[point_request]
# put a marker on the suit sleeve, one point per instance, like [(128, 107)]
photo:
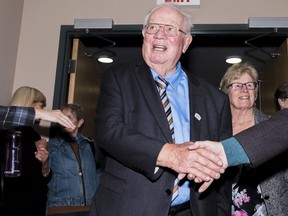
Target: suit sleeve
[(267, 139)]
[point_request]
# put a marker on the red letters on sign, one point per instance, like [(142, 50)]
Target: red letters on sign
[(177, 1)]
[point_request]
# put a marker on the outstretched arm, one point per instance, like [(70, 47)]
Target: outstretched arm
[(204, 148), (54, 116), (183, 160), (13, 116), (230, 151), (244, 147)]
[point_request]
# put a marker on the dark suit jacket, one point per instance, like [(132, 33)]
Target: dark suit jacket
[(132, 128), (266, 139)]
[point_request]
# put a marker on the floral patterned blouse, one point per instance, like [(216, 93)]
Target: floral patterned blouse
[(246, 196), (246, 192)]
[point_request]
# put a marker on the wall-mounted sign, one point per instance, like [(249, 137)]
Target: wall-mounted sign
[(179, 2)]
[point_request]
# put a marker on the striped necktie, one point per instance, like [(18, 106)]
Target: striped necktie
[(162, 85)]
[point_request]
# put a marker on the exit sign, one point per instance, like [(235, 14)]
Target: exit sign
[(179, 2)]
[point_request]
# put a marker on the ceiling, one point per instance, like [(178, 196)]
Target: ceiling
[(206, 55)]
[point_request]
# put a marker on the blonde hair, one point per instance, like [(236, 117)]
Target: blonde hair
[(235, 72), (26, 96)]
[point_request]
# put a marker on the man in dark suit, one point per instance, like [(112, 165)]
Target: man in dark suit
[(144, 152)]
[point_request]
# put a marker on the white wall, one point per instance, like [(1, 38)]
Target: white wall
[(41, 21), (10, 22)]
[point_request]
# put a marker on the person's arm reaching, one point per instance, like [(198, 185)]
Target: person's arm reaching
[(267, 139), (234, 152), (230, 151), (54, 116), (252, 145), (16, 116), (13, 116), (179, 158)]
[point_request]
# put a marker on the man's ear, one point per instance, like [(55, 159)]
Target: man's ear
[(188, 39), (281, 103), (80, 123)]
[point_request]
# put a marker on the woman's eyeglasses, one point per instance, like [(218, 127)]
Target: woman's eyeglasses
[(237, 86)]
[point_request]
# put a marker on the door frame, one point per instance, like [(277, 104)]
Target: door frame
[(67, 33)]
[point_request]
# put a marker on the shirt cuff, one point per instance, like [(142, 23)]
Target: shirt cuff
[(234, 152)]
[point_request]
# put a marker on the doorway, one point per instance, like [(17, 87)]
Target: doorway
[(205, 56)]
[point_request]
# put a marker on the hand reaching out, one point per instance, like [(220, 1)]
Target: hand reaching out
[(205, 148), (54, 116), (183, 158)]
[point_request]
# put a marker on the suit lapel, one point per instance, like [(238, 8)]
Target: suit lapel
[(149, 90), (196, 108)]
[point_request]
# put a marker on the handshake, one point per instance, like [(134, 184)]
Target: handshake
[(201, 161), (211, 166)]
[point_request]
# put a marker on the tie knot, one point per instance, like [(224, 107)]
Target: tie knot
[(161, 82)]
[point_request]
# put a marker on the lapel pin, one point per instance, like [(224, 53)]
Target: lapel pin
[(197, 116)]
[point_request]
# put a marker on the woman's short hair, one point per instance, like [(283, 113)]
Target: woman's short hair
[(235, 72), (26, 96)]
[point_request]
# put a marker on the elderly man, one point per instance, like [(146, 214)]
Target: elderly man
[(148, 112)]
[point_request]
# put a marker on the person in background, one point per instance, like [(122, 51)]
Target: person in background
[(251, 192), (31, 183), (281, 96), (145, 148), (13, 116), (72, 167)]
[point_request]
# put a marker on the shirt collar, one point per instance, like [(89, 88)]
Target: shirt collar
[(174, 78), (79, 138)]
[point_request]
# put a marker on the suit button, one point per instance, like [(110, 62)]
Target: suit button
[(266, 197), (168, 192)]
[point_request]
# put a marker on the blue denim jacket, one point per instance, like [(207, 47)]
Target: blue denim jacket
[(67, 186)]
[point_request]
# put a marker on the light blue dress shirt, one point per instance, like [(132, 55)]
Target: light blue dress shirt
[(178, 94)]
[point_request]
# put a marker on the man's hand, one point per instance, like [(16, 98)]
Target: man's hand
[(205, 148), (54, 116), (196, 162)]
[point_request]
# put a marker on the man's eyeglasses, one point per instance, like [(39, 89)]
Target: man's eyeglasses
[(238, 86), (169, 30)]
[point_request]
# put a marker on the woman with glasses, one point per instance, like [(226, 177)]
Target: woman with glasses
[(254, 191)]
